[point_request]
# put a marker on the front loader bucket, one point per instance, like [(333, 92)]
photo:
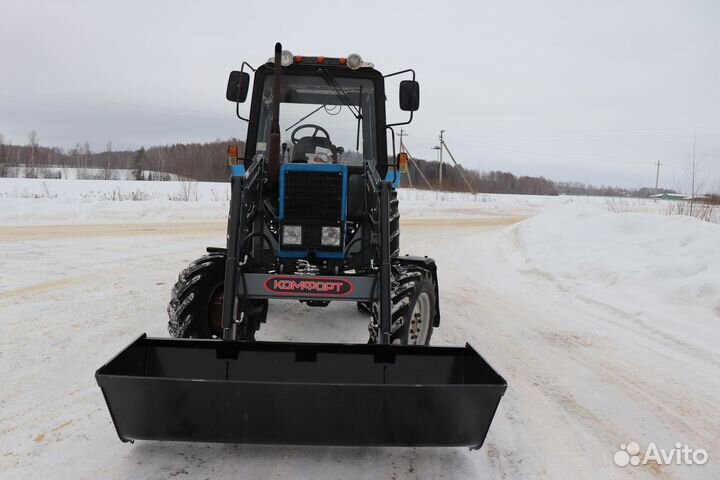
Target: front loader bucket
[(300, 394)]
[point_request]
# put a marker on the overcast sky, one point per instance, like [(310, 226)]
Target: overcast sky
[(589, 91)]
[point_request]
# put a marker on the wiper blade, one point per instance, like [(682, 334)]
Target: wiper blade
[(306, 116), (341, 94)]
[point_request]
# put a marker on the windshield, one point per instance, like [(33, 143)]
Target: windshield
[(323, 119)]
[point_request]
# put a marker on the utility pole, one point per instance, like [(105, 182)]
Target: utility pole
[(443, 145), (401, 135), (441, 159), (657, 176), (692, 178), (439, 148)]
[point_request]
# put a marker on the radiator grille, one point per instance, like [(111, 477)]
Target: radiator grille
[(313, 196)]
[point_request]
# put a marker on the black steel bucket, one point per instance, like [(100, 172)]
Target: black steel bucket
[(300, 393)]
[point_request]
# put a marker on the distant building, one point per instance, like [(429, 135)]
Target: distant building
[(670, 196)]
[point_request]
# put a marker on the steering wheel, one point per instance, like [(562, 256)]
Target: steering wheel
[(317, 128)]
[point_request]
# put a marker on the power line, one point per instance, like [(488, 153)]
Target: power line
[(412, 160)]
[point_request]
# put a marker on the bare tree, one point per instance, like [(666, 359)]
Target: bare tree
[(108, 159), (162, 156), (75, 154), (83, 161), (33, 142), (86, 154), (188, 191), (138, 162), (3, 164), (698, 177), (8, 158)]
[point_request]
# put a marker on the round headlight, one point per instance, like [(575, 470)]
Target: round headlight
[(286, 59), (354, 61)]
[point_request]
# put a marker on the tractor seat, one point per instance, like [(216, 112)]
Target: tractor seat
[(308, 145), (304, 146)]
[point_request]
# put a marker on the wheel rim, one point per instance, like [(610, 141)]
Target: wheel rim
[(419, 320)]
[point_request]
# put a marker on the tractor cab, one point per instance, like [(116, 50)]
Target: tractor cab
[(321, 122), (333, 136), (331, 110)]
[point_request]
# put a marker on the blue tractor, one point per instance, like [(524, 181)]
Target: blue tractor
[(313, 218)]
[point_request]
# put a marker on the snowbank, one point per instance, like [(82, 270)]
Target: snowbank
[(43, 202), (425, 203), (660, 272), (113, 190), (73, 173)]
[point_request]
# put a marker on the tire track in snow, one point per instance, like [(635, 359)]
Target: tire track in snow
[(42, 288), (57, 232)]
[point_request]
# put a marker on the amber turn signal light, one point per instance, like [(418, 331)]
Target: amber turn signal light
[(403, 160), (232, 154)]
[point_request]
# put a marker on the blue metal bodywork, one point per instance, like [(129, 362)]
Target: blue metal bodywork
[(312, 167), (393, 175), (237, 170)]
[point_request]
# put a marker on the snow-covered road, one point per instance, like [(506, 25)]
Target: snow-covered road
[(586, 372)]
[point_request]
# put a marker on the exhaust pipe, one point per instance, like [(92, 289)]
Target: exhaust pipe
[(273, 165)]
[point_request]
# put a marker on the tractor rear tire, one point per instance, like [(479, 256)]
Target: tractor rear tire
[(413, 306), (195, 309)]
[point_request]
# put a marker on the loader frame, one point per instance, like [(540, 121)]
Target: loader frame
[(250, 238)]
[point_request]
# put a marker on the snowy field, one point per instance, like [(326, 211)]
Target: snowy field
[(73, 173), (41, 201), (605, 325)]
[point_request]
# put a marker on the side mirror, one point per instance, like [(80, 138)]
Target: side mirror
[(238, 86), (409, 95)]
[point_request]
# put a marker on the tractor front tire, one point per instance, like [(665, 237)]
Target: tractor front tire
[(413, 306), (195, 309)]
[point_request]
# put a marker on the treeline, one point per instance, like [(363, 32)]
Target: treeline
[(198, 161), (506, 182), (479, 182), (205, 162), (208, 162)]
